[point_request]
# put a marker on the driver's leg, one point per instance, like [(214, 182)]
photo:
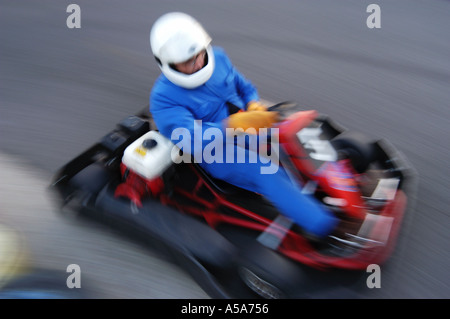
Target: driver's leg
[(286, 196)]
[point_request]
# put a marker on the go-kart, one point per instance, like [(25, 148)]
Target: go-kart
[(234, 242)]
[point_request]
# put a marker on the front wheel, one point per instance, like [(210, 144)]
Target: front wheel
[(357, 147)]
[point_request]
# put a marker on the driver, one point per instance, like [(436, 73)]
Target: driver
[(198, 82)]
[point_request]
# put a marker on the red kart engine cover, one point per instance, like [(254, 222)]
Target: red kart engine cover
[(143, 164), (135, 187)]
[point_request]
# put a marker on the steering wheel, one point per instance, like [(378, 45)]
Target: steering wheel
[(285, 108)]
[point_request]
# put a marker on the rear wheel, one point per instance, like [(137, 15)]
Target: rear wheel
[(267, 274), (83, 188), (92, 178)]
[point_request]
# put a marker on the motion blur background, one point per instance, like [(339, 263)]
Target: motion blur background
[(62, 89)]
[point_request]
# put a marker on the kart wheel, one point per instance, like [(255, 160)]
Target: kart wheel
[(83, 188), (268, 274), (92, 178), (357, 147)]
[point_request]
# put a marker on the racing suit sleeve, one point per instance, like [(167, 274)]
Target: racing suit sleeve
[(179, 125), (247, 91), (245, 88)]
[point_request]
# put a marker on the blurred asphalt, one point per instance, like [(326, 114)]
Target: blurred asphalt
[(61, 89)]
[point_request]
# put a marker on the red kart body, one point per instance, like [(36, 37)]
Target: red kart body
[(190, 190), (218, 231)]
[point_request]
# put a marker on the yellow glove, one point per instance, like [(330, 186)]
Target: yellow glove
[(254, 119), (256, 106)]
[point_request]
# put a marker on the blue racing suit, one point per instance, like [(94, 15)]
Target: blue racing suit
[(175, 107)]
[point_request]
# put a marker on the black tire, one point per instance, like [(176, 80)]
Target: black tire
[(92, 178), (83, 188), (357, 147), (268, 274), (160, 222)]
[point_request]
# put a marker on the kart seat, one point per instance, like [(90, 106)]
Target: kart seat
[(240, 196), (219, 184)]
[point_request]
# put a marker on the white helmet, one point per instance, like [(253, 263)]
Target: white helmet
[(177, 37)]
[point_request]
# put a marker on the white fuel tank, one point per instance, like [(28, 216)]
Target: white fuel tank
[(150, 155)]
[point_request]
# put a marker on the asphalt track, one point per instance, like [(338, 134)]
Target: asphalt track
[(61, 89)]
